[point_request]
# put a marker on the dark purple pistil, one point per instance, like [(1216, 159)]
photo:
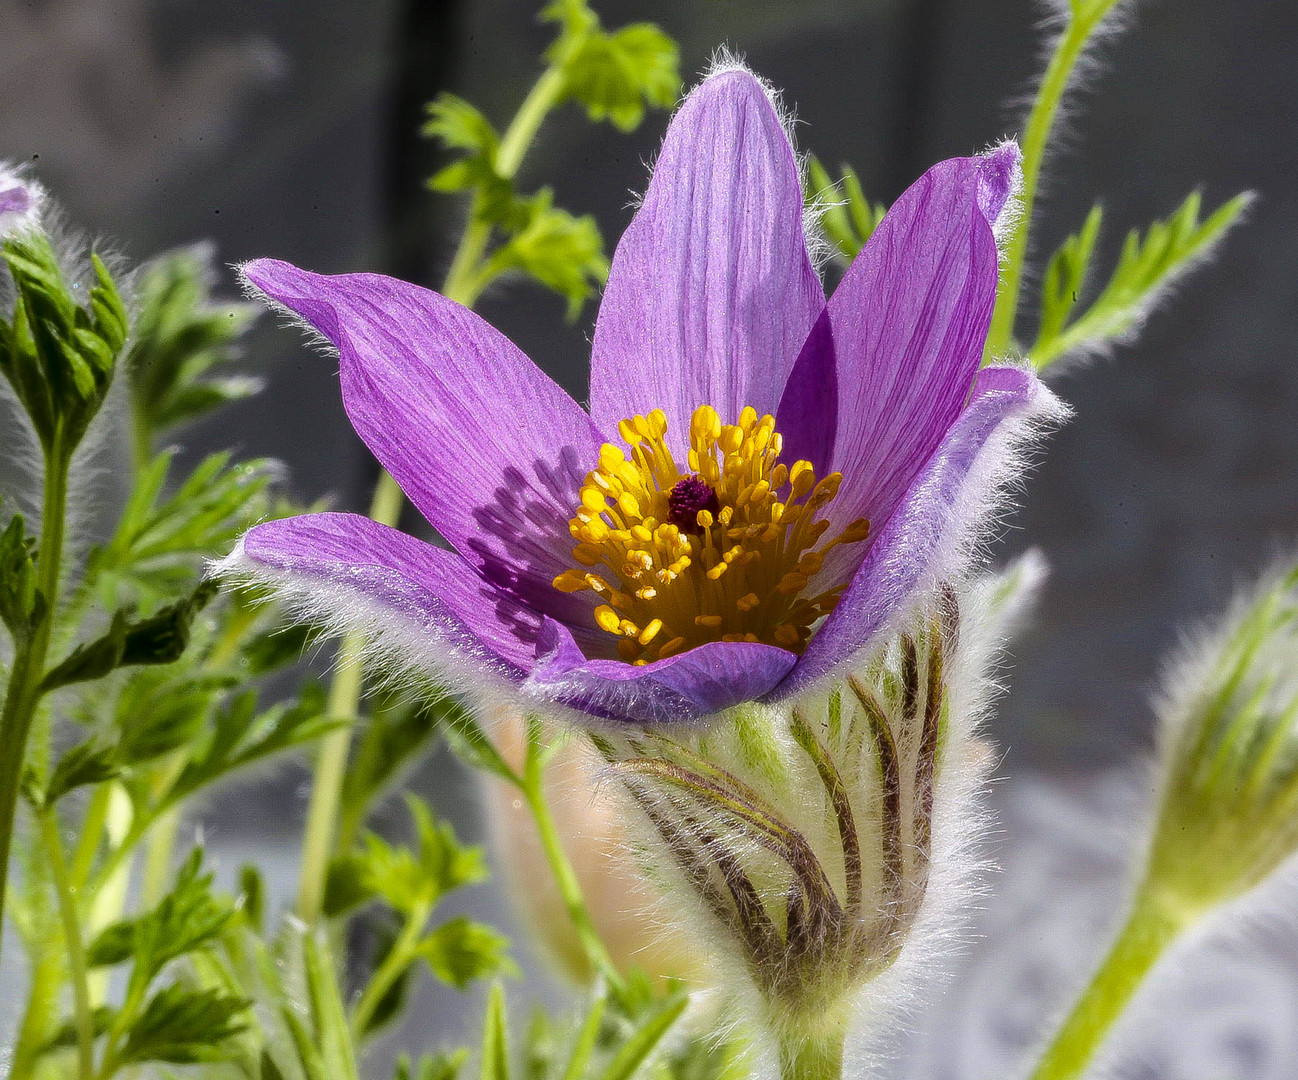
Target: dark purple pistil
[(687, 498)]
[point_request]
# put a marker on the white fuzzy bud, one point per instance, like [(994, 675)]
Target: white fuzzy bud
[(813, 845)]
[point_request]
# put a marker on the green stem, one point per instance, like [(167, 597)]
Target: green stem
[(72, 942), (463, 285), (463, 282), (23, 693), (532, 784), (1036, 138), (397, 960), (1150, 928), (814, 1055)]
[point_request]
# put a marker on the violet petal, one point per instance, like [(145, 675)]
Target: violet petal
[(929, 529), (682, 688), (352, 570), (906, 330), (487, 446), (711, 292)]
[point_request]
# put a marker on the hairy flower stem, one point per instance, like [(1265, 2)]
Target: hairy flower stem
[(463, 284), (1085, 17), (813, 1055), (23, 694), (1151, 927), (76, 952)]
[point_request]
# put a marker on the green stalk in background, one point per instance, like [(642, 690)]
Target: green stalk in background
[(1084, 18), (1149, 930), (72, 942)]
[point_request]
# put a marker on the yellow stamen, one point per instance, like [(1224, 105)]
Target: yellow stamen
[(722, 552)]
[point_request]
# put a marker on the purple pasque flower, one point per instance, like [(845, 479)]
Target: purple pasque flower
[(763, 479)]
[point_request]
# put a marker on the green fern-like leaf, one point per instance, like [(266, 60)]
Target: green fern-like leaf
[(1149, 264)]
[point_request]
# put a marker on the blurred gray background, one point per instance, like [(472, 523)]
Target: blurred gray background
[(288, 129)]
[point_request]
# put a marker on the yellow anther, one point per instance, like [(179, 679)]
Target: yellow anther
[(642, 534), (593, 499), (792, 582), (787, 636), (671, 648), (710, 622), (747, 418), (779, 476), (748, 601), (854, 533), (571, 581), (607, 619), (802, 477), (588, 554), (810, 563), (627, 504), (650, 632), (705, 424), (715, 573), (648, 592), (704, 519), (627, 429)]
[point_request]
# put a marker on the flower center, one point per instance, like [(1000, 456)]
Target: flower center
[(723, 552), (687, 498)]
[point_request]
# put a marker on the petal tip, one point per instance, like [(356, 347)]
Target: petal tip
[(1000, 176), (267, 277)]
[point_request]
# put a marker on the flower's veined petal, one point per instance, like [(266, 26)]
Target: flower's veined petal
[(711, 292), (681, 688), (485, 444), (807, 417), (934, 528), (905, 334), (424, 602)]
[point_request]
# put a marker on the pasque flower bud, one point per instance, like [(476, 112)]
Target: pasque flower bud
[(806, 844), (1229, 810), (1227, 816), (58, 355)]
